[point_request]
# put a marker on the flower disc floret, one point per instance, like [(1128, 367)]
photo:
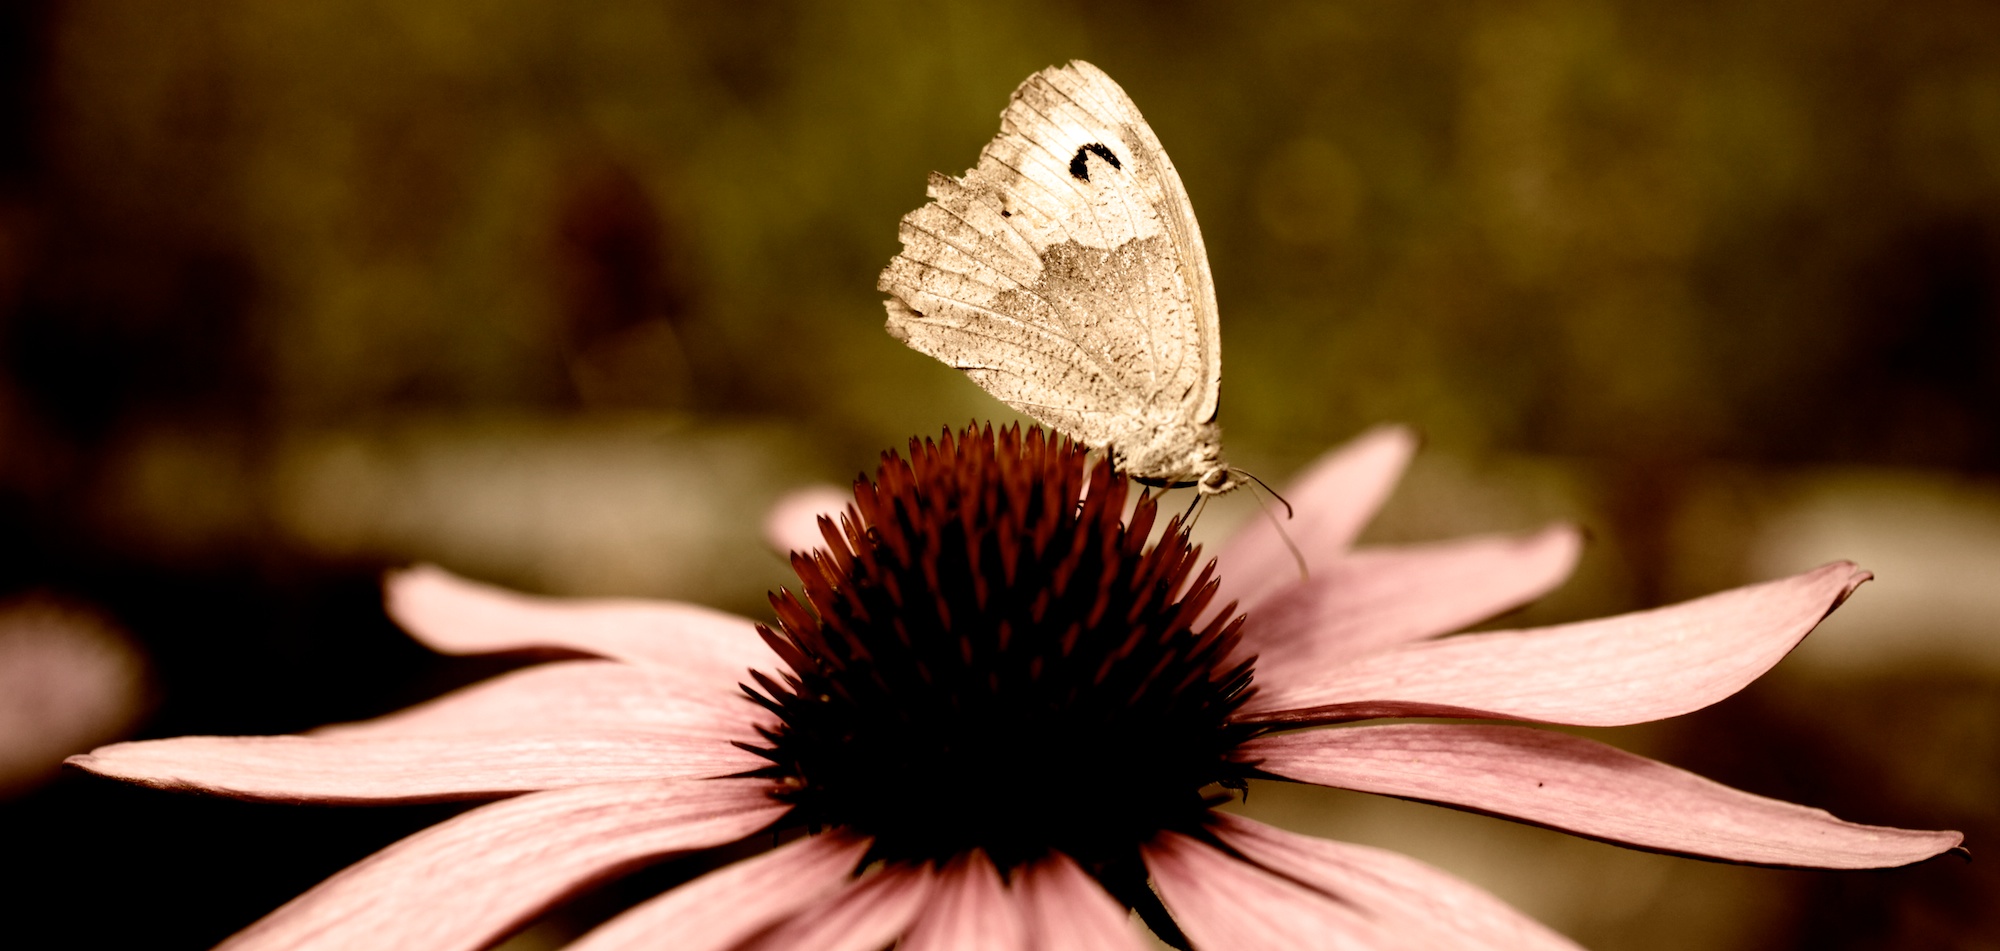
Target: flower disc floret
[(988, 654)]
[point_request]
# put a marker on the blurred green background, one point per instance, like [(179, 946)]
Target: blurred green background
[(563, 295)]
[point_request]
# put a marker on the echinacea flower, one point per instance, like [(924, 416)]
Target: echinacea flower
[(998, 716)]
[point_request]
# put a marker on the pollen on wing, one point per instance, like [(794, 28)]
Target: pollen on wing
[(986, 655)]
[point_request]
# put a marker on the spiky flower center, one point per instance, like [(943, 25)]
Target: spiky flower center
[(989, 656)]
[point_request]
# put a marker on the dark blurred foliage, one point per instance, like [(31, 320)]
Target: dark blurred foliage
[(292, 293)]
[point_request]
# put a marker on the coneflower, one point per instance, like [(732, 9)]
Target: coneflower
[(1000, 713)]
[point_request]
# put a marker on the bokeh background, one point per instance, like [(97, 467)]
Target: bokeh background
[(562, 295)]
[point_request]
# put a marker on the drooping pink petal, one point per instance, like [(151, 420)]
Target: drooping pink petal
[(456, 616), (1066, 910), (1626, 669), (793, 523), (1333, 499), (1583, 786), (717, 910), (461, 884), (1414, 899), (1376, 598), (392, 768), (1224, 903), (567, 695), (868, 914), (971, 910)]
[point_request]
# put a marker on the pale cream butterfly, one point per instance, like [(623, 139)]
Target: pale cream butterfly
[(1065, 275)]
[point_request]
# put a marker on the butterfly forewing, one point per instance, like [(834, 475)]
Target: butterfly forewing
[(1065, 275)]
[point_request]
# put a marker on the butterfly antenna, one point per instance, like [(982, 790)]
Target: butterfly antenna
[(1274, 492), (1297, 556)]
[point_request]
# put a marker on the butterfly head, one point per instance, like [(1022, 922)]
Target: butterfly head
[(1176, 455), (1215, 480), (1220, 479), (1203, 459)]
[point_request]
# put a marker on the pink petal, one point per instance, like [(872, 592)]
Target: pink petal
[(456, 616), (1626, 669), (1333, 498), (970, 911), (1066, 910), (1582, 786), (1381, 597), (793, 523), (867, 915), (391, 768), (1224, 903), (463, 883), (1414, 899), (715, 911), (568, 695)]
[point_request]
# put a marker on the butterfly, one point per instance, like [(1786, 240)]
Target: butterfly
[(1065, 275)]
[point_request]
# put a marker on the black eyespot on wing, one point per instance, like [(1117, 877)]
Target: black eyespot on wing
[(1079, 165), (1004, 213)]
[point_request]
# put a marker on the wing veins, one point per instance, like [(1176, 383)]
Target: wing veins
[(1069, 328), (1023, 177), (983, 197), (1121, 391), (969, 194), (1190, 258), (1145, 322), (1062, 165), (1153, 158), (1061, 171), (947, 242), (1088, 357)]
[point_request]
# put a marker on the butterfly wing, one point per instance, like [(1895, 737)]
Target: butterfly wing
[(1064, 273)]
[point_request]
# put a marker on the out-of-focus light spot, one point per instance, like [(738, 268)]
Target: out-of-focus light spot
[(1933, 543), (635, 508), (69, 680), (793, 523)]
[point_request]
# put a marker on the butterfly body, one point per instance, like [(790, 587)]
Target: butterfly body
[(1065, 275)]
